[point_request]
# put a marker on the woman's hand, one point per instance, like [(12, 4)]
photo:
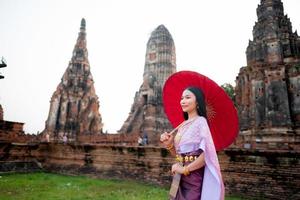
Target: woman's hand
[(177, 168), (167, 138)]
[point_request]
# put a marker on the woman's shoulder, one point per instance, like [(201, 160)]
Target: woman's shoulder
[(201, 119), (201, 122), (202, 125)]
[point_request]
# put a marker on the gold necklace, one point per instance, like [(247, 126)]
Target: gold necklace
[(181, 133)]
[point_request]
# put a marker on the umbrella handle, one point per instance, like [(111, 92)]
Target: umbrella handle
[(175, 129), (180, 125)]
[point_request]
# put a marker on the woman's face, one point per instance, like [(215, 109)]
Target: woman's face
[(188, 101)]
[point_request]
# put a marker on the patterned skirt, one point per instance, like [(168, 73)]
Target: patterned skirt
[(190, 187)]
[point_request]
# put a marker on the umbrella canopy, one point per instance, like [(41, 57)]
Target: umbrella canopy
[(221, 114)]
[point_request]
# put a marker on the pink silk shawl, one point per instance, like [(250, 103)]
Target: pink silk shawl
[(196, 135)]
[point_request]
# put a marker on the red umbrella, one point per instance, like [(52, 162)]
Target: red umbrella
[(221, 113)]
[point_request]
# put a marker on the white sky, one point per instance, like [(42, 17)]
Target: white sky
[(37, 39)]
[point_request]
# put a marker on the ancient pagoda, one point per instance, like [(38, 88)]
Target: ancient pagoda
[(267, 89), (147, 115), (74, 106)]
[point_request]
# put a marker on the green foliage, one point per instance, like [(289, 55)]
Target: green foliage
[(36, 186), (229, 89)]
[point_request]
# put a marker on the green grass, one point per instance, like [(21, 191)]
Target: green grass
[(36, 186)]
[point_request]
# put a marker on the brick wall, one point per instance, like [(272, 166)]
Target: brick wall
[(247, 173), (261, 174), (13, 132), (149, 164)]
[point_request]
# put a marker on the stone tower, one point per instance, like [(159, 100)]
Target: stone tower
[(147, 114), (273, 39), (74, 106), (267, 89)]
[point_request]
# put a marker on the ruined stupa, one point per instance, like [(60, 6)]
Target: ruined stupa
[(147, 115), (74, 106), (267, 89)]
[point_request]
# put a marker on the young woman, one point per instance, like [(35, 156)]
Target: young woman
[(197, 161)]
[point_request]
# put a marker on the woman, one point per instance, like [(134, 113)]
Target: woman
[(193, 146)]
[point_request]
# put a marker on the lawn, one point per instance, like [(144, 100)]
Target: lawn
[(36, 186)]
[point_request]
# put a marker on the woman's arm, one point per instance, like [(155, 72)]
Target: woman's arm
[(168, 141), (171, 149)]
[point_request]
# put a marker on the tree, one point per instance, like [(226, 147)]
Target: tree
[(229, 89)]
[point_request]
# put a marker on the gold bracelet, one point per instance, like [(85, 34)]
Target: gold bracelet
[(170, 147), (186, 172)]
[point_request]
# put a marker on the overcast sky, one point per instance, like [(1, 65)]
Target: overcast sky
[(37, 39)]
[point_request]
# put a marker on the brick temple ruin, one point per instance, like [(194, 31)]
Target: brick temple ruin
[(267, 89), (74, 106), (265, 157), (263, 163), (147, 114)]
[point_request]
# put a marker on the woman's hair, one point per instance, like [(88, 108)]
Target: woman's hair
[(200, 101)]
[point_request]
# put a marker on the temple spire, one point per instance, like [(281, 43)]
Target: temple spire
[(147, 115), (273, 39), (80, 50), (74, 106), (82, 26), (267, 90)]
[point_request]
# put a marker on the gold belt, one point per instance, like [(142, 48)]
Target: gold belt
[(182, 159)]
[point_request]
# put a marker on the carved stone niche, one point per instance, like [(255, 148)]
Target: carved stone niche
[(277, 102), (294, 94), (259, 102)]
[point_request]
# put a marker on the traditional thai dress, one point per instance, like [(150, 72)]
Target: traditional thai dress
[(194, 138)]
